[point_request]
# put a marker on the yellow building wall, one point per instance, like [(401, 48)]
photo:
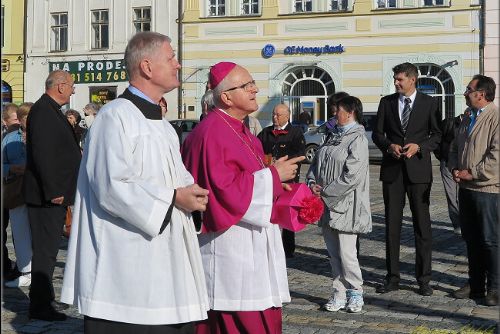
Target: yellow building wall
[(13, 47), (372, 38)]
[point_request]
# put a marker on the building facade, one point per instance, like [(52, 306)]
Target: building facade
[(491, 45), (88, 38), (12, 51), (301, 51)]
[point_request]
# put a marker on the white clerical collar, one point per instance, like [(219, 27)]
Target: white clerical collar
[(281, 127)]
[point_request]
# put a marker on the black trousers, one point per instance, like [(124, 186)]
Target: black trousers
[(479, 224), (288, 238), (394, 201), (100, 326), (46, 229)]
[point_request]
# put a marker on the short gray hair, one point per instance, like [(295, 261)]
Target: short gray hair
[(223, 86), (140, 46), (94, 107), (56, 77)]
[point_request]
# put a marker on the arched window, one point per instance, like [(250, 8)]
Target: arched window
[(6, 92), (306, 88), (435, 81)]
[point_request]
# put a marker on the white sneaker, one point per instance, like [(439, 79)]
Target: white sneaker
[(23, 280), (335, 303), (354, 301)]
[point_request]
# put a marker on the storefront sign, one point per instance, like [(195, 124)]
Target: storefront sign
[(317, 50), (100, 71), (102, 94), (269, 50)]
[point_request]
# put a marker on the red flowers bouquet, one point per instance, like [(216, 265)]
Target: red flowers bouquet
[(296, 208)]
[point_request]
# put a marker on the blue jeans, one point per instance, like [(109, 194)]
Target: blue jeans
[(479, 222)]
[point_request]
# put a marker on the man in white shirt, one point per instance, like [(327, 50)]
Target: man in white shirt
[(134, 262)]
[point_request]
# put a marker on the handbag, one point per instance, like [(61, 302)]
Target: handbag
[(67, 223), (12, 192)]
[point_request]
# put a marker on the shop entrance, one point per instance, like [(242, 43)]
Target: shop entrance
[(305, 90)]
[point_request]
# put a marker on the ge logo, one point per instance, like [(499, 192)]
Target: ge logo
[(268, 51)]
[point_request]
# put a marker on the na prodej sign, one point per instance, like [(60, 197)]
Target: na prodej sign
[(93, 71)]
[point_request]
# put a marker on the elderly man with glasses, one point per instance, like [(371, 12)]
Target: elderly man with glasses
[(473, 161), (52, 162), (241, 249), (279, 140)]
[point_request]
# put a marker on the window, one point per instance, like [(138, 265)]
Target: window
[(338, 5), (386, 3), (142, 19), (249, 7), (436, 81), (100, 29), (433, 2), (59, 32), (303, 6), (217, 8)]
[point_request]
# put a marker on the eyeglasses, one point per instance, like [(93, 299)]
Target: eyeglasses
[(469, 90), (278, 115), (246, 87), (65, 83)]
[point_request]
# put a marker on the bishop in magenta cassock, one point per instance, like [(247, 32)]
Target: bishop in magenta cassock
[(242, 251)]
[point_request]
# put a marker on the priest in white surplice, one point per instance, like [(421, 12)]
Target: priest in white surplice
[(134, 263), (242, 251)]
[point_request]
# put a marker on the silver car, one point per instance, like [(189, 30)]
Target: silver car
[(314, 138)]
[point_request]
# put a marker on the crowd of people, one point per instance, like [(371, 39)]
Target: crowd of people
[(198, 220)]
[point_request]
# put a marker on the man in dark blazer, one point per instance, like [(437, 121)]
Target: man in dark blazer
[(407, 131), (52, 162), (278, 140)]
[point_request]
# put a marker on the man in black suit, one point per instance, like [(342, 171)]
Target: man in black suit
[(52, 162), (278, 140), (407, 131)]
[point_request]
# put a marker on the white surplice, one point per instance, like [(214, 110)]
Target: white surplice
[(119, 267), (245, 265)]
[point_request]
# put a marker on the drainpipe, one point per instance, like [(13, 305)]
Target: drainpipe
[(482, 34), (179, 57)]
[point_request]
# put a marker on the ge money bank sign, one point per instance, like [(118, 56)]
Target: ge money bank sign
[(100, 71)]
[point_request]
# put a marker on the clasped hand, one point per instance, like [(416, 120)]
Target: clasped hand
[(407, 151), (191, 198)]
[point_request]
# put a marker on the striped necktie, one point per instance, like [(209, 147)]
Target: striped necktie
[(405, 115)]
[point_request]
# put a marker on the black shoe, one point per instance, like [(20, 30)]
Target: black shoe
[(47, 315), (425, 289), (387, 287), (465, 293), (59, 306), (491, 298)]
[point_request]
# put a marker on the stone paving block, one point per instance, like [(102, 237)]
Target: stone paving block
[(429, 318)]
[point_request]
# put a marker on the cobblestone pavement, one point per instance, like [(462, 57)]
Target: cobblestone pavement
[(400, 311)]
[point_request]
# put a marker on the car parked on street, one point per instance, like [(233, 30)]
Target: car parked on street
[(186, 125), (314, 138)]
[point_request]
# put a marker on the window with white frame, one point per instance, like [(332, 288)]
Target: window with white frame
[(338, 5), (59, 32), (217, 8), (249, 7), (142, 19), (386, 3), (430, 3), (100, 29), (303, 6)]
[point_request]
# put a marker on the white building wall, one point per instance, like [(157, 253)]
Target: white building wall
[(38, 54), (491, 48)]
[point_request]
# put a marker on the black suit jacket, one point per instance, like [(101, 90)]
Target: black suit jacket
[(423, 129), (291, 144), (52, 155)]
